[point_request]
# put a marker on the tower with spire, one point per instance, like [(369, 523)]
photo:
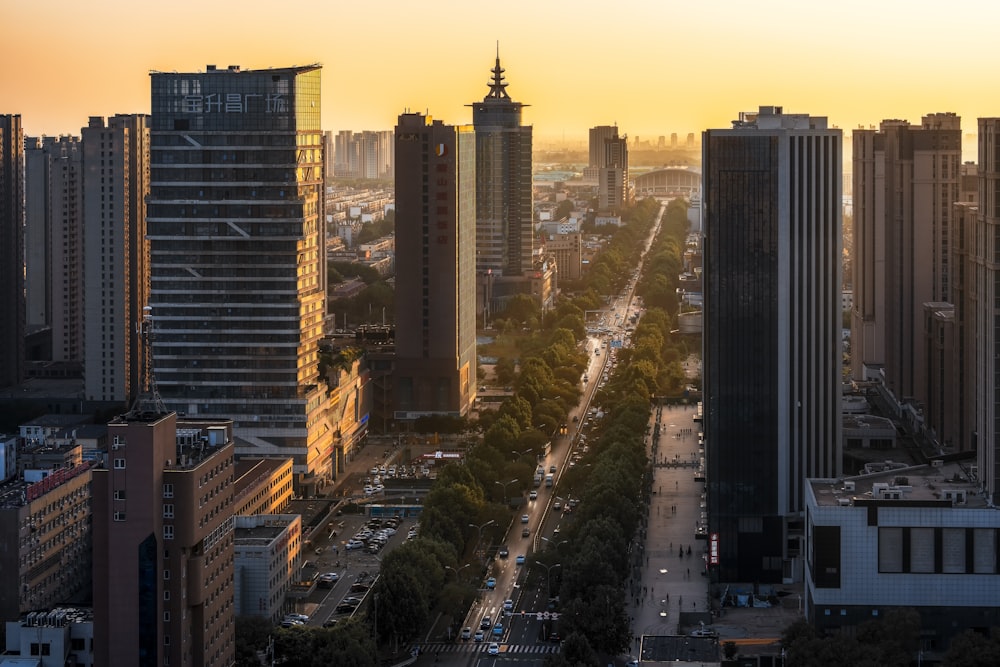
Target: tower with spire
[(504, 229)]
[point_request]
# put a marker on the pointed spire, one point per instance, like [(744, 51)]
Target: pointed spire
[(497, 86)]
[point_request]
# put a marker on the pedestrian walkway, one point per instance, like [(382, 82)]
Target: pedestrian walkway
[(669, 576)]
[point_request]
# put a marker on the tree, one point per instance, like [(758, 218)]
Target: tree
[(972, 649), (505, 370)]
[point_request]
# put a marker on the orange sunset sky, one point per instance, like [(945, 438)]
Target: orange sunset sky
[(652, 66)]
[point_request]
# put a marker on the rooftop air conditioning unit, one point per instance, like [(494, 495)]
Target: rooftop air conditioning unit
[(937, 463), (849, 485)]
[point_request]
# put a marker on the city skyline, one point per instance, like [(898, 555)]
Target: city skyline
[(838, 64)]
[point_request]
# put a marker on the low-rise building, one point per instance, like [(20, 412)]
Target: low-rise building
[(56, 638), (920, 537), (268, 557), (262, 486)]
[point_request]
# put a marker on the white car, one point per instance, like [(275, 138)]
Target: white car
[(508, 605), (493, 649)]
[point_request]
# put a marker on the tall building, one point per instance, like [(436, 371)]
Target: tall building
[(984, 311), (367, 154), (53, 233), (116, 255), (598, 136), (905, 180), (504, 212), (772, 320), (164, 543), (12, 247), (435, 267), (237, 256), (609, 155)]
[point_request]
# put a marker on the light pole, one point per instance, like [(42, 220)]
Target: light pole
[(479, 531), (457, 570), (505, 485), (548, 572), (518, 454)]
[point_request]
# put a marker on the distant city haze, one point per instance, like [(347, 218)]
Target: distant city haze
[(651, 67)]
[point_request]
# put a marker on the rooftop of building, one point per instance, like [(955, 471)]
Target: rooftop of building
[(863, 421), (17, 493), (945, 481), (57, 617), (258, 535), (775, 118), (54, 420), (248, 471), (237, 69)]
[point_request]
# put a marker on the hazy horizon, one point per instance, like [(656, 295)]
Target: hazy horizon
[(649, 67)]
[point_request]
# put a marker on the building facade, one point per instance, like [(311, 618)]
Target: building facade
[(53, 638), (920, 538), (435, 370), (46, 527), (53, 233), (984, 287), (238, 257), (905, 180), (163, 543), (116, 255), (262, 486), (268, 556), (504, 211), (12, 246), (772, 353)]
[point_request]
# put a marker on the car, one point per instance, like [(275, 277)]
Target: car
[(576, 418), (344, 608), (503, 552), (291, 623), (525, 532), (480, 635), (558, 506), (329, 623), (491, 583), (486, 623), (328, 579), (524, 518), (493, 649), (296, 617), (389, 530), (508, 605), (466, 634), (519, 560), (552, 469), (498, 629), (533, 495), (554, 637), (358, 587)]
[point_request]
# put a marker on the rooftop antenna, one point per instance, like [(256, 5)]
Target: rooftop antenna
[(148, 399)]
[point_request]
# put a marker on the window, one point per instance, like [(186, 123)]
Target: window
[(168, 490), (166, 575), (168, 511), (119, 494), (166, 616), (119, 464), (166, 596), (168, 532), (119, 516)]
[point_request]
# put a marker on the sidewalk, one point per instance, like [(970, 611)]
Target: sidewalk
[(669, 582)]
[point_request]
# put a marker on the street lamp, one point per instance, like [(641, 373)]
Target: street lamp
[(457, 570), (548, 572), (555, 545), (518, 454), (479, 530), (505, 485)]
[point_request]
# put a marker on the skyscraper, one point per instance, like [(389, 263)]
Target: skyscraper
[(237, 256), (504, 222), (12, 247), (984, 310), (772, 194), (53, 233), (609, 158), (435, 267), (116, 254), (905, 180)]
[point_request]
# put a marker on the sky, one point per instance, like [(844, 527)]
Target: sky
[(653, 67)]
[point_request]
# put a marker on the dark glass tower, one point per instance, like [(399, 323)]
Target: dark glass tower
[(504, 229), (772, 188), (235, 223), (12, 247)]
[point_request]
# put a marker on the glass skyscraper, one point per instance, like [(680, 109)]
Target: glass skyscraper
[(237, 256)]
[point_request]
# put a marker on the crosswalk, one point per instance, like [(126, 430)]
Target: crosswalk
[(480, 647)]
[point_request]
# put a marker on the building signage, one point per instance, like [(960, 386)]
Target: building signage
[(713, 549), (235, 103)]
